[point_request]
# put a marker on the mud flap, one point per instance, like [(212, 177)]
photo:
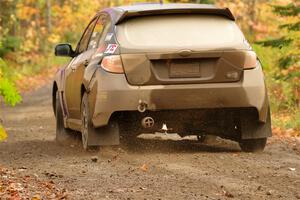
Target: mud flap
[(105, 136), (251, 128)]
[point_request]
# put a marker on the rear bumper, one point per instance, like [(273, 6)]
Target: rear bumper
[(111, 93)]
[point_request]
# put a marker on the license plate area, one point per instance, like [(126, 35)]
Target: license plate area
[(184, 69)]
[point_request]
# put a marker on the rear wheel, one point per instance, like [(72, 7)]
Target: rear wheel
[(63, 134), (253, 145), (87, 126), (258, 131)]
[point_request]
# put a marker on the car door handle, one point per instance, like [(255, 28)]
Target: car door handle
[(86, 63)]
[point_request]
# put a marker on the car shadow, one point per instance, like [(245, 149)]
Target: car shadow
[(141, 145)]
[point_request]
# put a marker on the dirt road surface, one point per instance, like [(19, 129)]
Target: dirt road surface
[(160, 168)]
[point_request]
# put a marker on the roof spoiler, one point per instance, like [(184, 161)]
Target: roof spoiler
[(211, 11)]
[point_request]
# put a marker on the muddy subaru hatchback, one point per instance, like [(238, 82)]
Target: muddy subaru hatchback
[(178, 68)]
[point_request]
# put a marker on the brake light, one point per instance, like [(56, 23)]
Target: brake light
[(112, 64), (250, 60)]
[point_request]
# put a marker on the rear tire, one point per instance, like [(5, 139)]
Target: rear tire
[(63, 135), (257, 133), (253, 145), (87, 126)]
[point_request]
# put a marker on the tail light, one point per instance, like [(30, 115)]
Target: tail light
[(250, 60), (112, 64)]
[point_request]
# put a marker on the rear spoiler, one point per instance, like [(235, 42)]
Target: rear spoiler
[(211, 11)]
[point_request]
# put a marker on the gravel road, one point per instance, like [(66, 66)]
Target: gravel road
[(159, 167)]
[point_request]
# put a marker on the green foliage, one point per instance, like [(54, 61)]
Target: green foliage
[(7, 88), (289, 10), (291, 26), (279, 43), (295, 122), (9, 92), (205, 1), (8, 44), (266, 55), (287, 60), (290, 35), (71, 37)]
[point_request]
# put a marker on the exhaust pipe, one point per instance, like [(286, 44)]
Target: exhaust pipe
[(147, 122)]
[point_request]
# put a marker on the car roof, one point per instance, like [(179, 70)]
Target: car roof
[(119, 14)]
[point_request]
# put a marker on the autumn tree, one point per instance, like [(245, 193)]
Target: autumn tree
[(289, 44)]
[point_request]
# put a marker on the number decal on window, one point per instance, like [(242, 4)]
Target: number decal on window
[(111, 48)]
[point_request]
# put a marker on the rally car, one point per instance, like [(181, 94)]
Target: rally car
[(180, 68)]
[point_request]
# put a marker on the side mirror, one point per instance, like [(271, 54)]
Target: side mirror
[(64, 50)]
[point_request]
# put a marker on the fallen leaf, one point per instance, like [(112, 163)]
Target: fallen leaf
[(36, 197), (3, 134), (144, 167)]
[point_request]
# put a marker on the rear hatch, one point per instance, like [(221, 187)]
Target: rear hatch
[(181, 49)]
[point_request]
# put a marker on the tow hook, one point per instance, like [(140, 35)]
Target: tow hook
[(142, 107), (147, 122)]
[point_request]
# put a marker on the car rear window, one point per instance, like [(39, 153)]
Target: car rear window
[(179, 31)]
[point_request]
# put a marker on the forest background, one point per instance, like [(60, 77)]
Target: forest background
[(29, 29)]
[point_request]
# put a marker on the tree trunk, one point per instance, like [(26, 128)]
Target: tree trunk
[(49, 20), (252, 15), (37, 26)]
